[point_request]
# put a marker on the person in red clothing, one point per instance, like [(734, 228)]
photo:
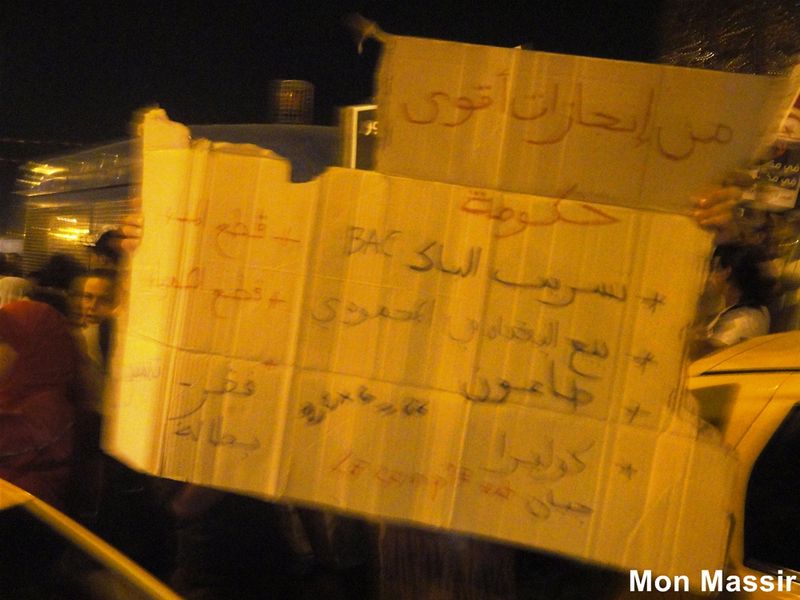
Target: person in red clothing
[(38, 364)]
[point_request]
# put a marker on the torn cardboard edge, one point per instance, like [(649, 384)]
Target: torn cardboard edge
[(153, 379), (605, 131)]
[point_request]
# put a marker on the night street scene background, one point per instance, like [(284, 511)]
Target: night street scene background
[(72, 75)]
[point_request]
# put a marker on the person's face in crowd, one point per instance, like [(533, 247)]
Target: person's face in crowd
[(96, 300), (718, 278)]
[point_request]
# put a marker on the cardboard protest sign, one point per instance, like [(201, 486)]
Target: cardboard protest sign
[(487, 362), (633, 134)]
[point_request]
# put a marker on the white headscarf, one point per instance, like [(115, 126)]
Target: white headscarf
[(13, 288)]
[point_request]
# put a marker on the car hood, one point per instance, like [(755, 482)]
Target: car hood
[(11, 495), (777, 352)]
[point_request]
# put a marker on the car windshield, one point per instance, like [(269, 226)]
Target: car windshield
[(772, 511)]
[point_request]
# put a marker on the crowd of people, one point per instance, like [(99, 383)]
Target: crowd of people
[(751, 289), (54, 360), (57, 327)]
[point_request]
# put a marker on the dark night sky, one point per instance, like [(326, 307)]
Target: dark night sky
[(72, 74), (76, 72)]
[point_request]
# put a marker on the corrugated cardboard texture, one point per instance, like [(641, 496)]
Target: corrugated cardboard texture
[(623, 133), (491, 363)]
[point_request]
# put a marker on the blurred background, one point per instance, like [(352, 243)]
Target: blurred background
[(73, 73)]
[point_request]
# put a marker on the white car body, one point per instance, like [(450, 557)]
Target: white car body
[(751, 393)]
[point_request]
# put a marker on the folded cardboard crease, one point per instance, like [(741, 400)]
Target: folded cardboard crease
[(496, 363)]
